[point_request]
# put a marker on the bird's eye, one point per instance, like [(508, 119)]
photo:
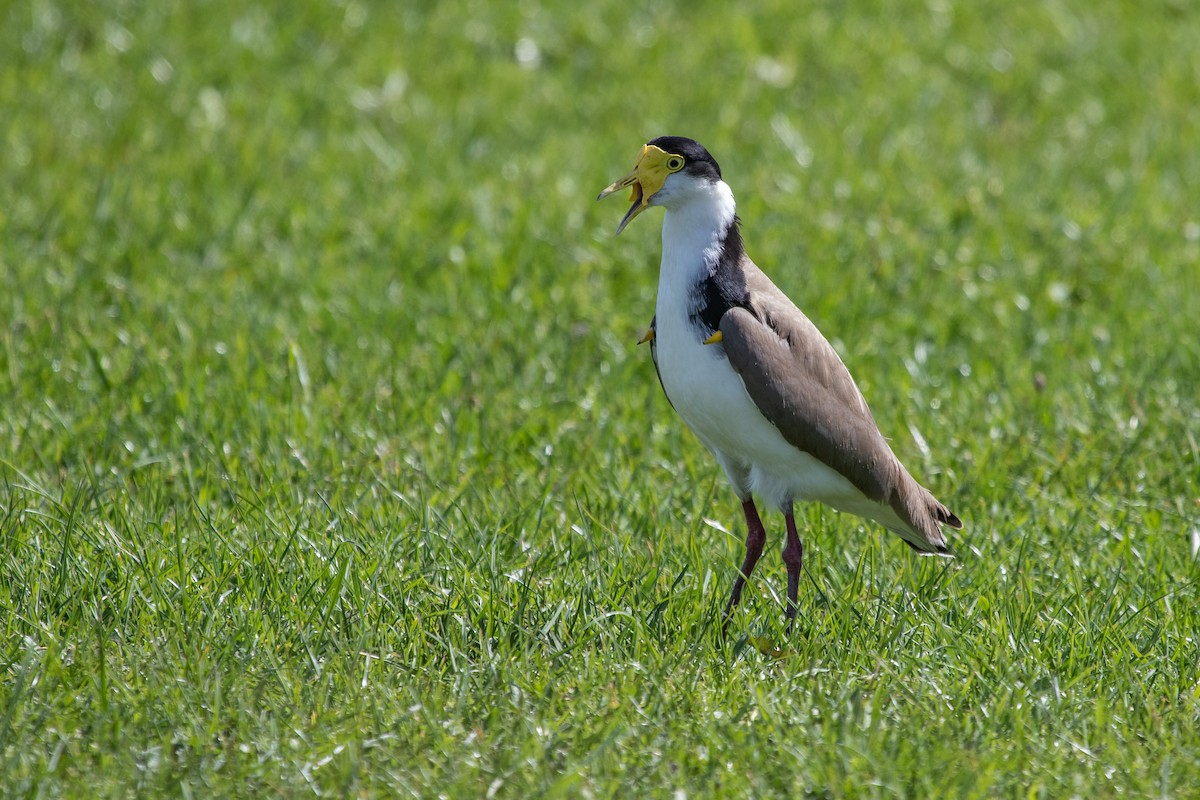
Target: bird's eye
[(674, 163)]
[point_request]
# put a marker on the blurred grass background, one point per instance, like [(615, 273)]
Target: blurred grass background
[(328, 463)]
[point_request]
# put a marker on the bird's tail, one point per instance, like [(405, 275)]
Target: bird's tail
[(927, 519)]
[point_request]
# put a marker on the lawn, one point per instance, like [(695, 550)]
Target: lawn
[(330, 466)]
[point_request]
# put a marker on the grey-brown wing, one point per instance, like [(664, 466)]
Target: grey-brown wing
[(799, 383), (797, 380)]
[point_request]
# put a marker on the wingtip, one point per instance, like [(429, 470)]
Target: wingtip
[(946, 517)]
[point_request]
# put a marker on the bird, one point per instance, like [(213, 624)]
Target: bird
[(755, 380)]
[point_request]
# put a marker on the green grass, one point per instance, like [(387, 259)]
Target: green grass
[(329, 465)]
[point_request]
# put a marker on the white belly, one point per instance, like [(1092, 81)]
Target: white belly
[(714, 403), (710, 396)]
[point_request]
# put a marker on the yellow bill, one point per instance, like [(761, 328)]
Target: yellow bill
[(649, 174)]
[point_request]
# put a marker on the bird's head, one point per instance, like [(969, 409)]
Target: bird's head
[(668, 170)]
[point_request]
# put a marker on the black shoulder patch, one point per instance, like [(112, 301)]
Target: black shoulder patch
[(725, 286)]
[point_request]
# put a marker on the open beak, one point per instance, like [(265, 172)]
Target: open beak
[(648, 176), (640, 203)]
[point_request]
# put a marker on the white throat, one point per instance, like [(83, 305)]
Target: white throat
[(692, 233)]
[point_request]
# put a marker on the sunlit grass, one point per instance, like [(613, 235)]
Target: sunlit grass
[(329, 464)]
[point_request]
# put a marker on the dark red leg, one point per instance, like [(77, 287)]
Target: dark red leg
[(793, 556), (756, 538)]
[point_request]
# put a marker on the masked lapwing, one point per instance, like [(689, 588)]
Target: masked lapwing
[(754, 378)]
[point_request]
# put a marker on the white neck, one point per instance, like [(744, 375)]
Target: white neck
[(692, 233)]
